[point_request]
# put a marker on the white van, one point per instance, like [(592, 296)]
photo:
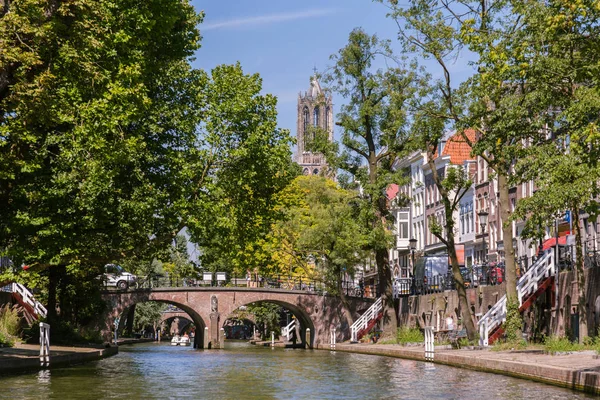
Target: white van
[(115, 276)]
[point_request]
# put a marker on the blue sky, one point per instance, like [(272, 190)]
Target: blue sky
[(284, 40)]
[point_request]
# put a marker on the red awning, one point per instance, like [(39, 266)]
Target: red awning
[(562, 241)]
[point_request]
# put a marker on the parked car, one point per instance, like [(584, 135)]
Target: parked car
[(115, 276)]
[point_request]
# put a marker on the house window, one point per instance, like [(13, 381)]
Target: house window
[(316, 116), (403, 224), (305, 119)]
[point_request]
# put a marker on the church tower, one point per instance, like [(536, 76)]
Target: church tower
[(315, 109)]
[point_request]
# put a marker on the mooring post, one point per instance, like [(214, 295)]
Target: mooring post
[(308, 341), (272, 338), (44, 344), (206, 337), (429, 343), (332, 339), (222, 338)]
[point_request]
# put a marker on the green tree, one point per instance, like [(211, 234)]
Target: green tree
[(248, 162), (147, 314), (495, 102), (561, 64), (373, 134), (320, 234), (266, 317)]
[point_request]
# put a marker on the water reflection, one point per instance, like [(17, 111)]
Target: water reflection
[(242, 372)]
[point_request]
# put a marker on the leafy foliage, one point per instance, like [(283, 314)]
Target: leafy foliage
[(147, 314), (9, 325), (409, 335), (267, 318), (319, 235)]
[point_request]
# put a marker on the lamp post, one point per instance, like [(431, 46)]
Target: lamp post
[(483, 217), (413, 247)]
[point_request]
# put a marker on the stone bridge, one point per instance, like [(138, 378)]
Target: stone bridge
[(210, 307), (174, 320)]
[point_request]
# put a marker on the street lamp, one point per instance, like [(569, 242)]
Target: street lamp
[(413, 247), (483, 217)]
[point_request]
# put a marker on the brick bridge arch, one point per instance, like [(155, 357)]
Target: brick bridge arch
[(316, 312), (168, 317)]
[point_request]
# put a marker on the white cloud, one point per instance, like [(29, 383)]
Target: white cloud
[(266, 19)]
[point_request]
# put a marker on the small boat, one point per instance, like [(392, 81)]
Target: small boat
[(180, 341)]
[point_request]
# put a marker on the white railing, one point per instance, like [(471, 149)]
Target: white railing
[(332, 338), (527, 285), (429, 343), (287, 331), (44, 345), (364, 320), (28, 299)]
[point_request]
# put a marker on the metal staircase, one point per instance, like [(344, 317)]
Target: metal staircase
[(530, 286), (25, 298), (287, 330), (366, 321)]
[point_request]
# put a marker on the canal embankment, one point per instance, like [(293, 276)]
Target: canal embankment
[(26, 357), (578, 371)]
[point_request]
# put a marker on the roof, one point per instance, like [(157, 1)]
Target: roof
[(391, 191), (315, 87), (458, 149)]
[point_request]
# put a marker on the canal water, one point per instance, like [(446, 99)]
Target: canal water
[(242, 371)]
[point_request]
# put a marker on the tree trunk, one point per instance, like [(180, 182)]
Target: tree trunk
[(384, 272), (463, 302), (345, 305), (130, 320), (53, 278), (579, 277), (510, 270)]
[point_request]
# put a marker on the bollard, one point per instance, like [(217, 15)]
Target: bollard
[(429, 343), (272, 338), (254, 333), (332, 339), (206, 337), (308, 342), (222, 338), (44, 344)]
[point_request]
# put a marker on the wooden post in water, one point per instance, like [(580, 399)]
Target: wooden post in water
[(308, 341)]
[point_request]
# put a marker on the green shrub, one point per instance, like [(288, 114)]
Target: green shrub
[(554, 344), (9, 325), (64, 333), (409, 335), (514, 322), (503, 345)]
